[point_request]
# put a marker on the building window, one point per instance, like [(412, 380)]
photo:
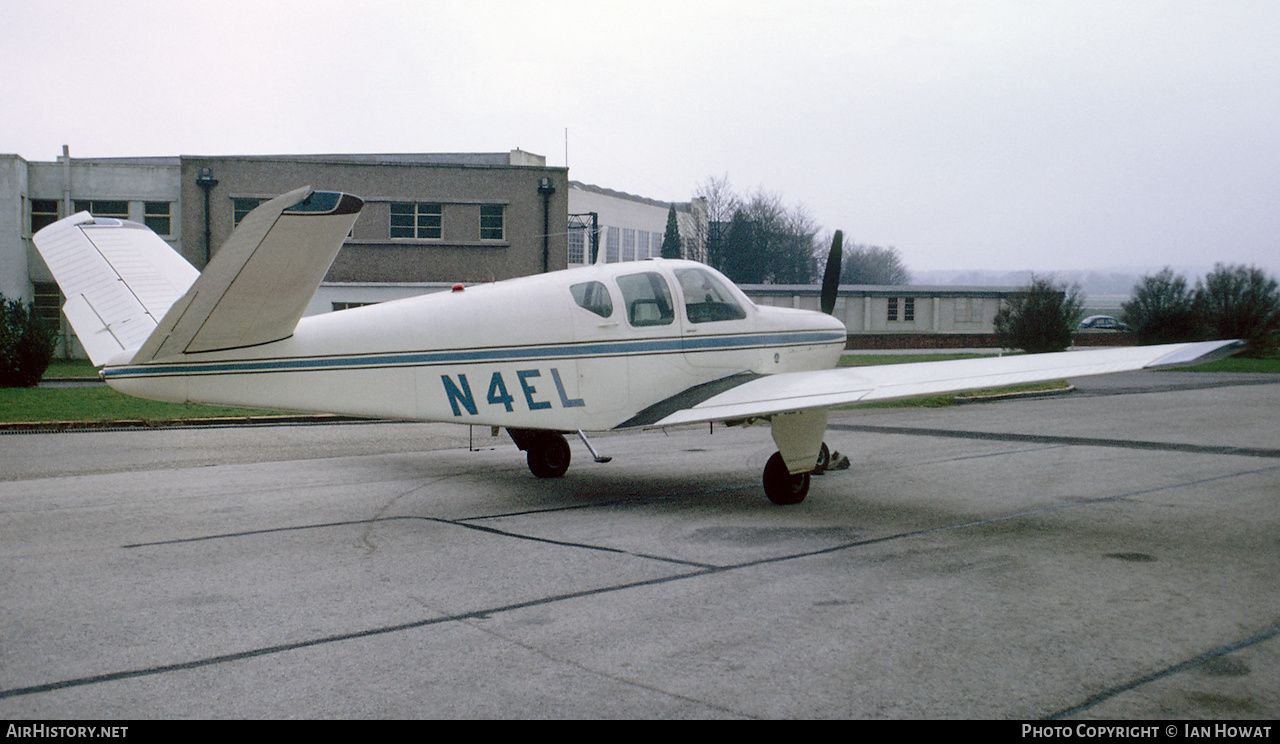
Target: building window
[(644, 245), (44, 212), (104, 208), (242, 207), (908, 305), (968, 310), (628, 244), (577, 245), (491, 222), (611, 240), (412, 220), (156, 217), (47, 304), (348, 305)]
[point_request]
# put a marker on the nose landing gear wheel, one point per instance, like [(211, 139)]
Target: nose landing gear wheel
[(824, 460), (781, 486)]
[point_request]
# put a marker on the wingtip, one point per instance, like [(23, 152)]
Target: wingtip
[(1198, 353)]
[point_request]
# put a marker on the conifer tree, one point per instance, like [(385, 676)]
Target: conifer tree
[(672, 245)]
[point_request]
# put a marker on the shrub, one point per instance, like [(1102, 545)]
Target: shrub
[(1162, 310), (26, 346), (1040, 318), (1240, 302)]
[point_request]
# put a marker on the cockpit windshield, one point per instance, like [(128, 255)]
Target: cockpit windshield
[(706, 299)]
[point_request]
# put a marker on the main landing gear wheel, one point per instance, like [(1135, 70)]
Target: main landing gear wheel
[(780, 485), (548, 455)]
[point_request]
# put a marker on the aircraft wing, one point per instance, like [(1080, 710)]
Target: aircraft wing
[(119, 279), (794, 391), (259, 283)]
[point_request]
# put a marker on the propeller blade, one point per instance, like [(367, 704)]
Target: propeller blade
[(831, 279)]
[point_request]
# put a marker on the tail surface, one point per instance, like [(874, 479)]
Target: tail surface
[(119, 279), (127, 289)]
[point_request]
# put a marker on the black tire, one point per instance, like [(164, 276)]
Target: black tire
[(548, 455), (781, 486), (824, 460)]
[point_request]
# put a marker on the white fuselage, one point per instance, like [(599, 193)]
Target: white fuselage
[(526, 353)]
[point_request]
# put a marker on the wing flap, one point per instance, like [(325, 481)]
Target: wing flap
[(794, 391)]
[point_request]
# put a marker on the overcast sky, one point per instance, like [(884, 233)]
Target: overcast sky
[(968, 135)]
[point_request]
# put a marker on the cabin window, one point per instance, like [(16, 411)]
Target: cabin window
[(705, 298), (491, 222), (412, 220), (593, 296), (647, 299)]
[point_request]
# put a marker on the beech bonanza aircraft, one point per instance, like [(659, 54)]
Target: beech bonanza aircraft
[(652, 343)]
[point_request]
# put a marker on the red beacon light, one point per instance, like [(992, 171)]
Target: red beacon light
[(458, 288)]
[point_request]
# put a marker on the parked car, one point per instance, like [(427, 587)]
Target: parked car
[(1102, 323)]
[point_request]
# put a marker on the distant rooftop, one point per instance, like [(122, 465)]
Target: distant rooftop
[(514, 157), (680, 206)]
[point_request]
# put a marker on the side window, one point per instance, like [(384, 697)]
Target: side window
[(593, 296), (706, 299), (647, 298)]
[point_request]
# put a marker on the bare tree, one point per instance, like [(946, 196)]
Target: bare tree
[(871, 264), (758, 239), (711, 232)]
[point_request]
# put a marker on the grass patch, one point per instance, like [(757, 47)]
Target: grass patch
[(101, 404), (1238, 364), (71, 368)]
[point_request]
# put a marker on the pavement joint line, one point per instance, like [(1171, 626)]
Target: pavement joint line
[(1169, 671), (1061, 440), (483, 614)]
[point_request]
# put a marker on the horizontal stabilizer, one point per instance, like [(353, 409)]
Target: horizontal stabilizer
[(258, 284), (794, 391), (119, 279)]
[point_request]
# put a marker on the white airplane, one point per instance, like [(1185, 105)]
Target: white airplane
[(652, 343)]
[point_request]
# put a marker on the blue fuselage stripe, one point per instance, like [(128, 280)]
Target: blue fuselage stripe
[(577, 350)]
